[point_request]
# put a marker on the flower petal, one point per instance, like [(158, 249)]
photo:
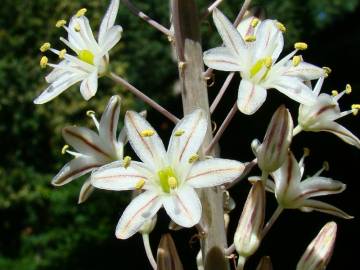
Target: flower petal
[(214, 172), (108, 20), (89, 85), (87, 142), (221, 58), (310, 205), (115, 177), (150, 149), (231, 37), (111, 38), (74, 169), (250, 97), (184, 206), (343, 133), (304, 71), (142, 208), (320, 186), (85, 191)]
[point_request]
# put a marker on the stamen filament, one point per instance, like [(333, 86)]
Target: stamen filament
[(92, 115)]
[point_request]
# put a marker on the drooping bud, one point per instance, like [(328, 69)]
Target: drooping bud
[(265, 264), (248, 232), (272, 152), (148, 226), (167, 256), (318, 254)]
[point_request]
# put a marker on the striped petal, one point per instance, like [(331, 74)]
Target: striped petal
[(305, 71), (183, 207), (74, 169), (343, 133), (150, 149), (108, 20), (221, 58), (250, 97), (214, 172), (311, 205), (89, 85), (320, 186), (85, 191), (142, 208)]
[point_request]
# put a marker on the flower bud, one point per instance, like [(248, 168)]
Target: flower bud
[(167, 256), (317, 255), (265, 264), (272, 152), (248, 233), (148, 226)]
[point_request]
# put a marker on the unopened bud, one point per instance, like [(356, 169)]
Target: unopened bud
[(167, 255), (318, 254), (265, 264)]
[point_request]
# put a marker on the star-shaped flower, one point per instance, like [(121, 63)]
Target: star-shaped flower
[(321, 115), (92, 57), (93, 150), (293, 193), (254, 56), (168, 178)]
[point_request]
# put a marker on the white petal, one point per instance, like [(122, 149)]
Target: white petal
[(115, 177), (320, 186), (142, 208), (112, 37), (181, 148), (231, 37), (109, 121), (89, 86), (108, 20), (85, 191), (305, 71), (58, 86), (74, 169), (183, 207), (244, 27), (343, 133), (56, 73), (214, 172), (221, 58), (295, 89), (250, 97), (85, 33), (151, 149), (87, 142), (310, 205)]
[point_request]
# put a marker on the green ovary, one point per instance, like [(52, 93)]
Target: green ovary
[(86, 56), (164, 176)]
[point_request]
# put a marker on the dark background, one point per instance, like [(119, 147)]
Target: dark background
[(42, 227)]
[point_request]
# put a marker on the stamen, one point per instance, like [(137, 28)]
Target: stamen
[(126, 161), (255, 22), (77, 27), (60, 23), (62, 53), (250, 38), (193, 158), (300, 46), (172, 182), (268, 62), (92, 115), (64, 149), (45, 47), (348, 89), (147, 133), (43, 62), (179, 132), (327, 70), (334, 93), (326, 166), (296, 60), (140, 184), (281, 27), (355, 108), (81, 12)]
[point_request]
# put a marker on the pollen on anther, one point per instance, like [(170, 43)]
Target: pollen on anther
[(281, 27), (126, 161), (327, 70), (64, 149), (193, 158), (62, 53), (255, 22), (43, 62), (147, 133), (268, 62), (334, 93), (355, 108), (140, 184), (250, 38), (81, 12), (179, 132), (172, 182), (296, 60), (60, 23), (348, 89), (90, 113), (326, 165), (45, 47), (300, 46)]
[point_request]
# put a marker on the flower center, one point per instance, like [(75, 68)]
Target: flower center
[(168, 179), (86, 56), (261, 68)]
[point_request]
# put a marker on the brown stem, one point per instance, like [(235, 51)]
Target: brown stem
[(210, 9)]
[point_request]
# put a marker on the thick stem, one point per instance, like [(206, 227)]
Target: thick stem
[(143, 97), (272, 220), (221, 92), (148, 250), (241, 263)]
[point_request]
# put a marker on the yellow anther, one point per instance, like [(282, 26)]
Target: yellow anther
[(193, 158), (306, 152), (296, 60), (326, 165), (77, 27), (268, 62), (179, 132), (62, 53), (81, 12), (140, 184), (60, 23), (43, 62), (355, 111), (300, 46), (334, 93), (45, 47), (64, 149), (147, 133), (348, 89), (255, 22), (250, 38), (281, 27), (172, 182), (126, 161), (327, 70), (355, 108), (90, 113)]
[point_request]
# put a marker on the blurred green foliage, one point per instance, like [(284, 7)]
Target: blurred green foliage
[(41, 227)]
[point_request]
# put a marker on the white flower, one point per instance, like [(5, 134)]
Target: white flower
[(321, 115), (168, 178), (92, 57), (93, 150), (292, 193), (254, 54)]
